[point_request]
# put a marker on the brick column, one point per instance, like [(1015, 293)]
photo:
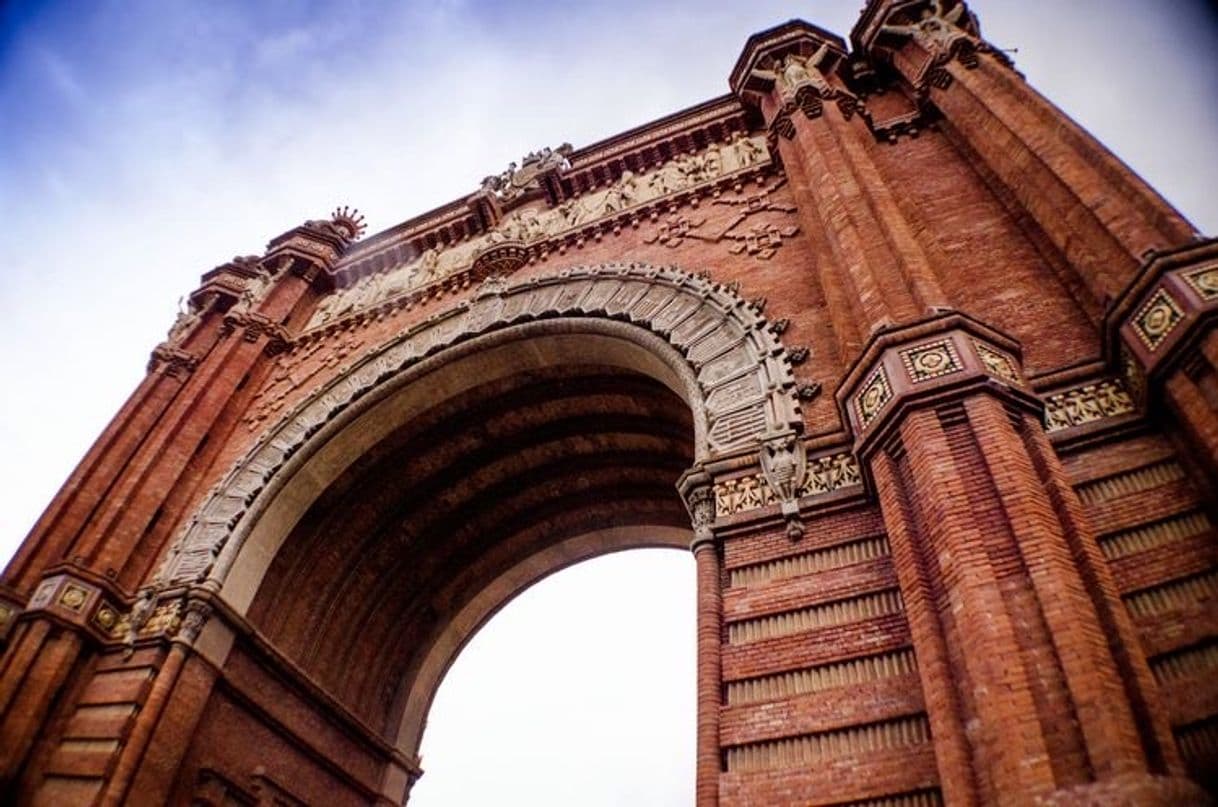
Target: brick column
[(699, 495), (878, 273), (1034, 681), (66, 592), (1093, 209)]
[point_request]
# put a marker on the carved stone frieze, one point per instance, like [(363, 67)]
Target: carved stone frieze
[(531, 226), (822, 475), (743, 234), (1086, 404), (741, 369)]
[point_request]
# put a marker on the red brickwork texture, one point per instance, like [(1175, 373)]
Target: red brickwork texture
[(998, 614)]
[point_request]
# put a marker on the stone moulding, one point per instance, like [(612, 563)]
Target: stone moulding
[(740, 369)]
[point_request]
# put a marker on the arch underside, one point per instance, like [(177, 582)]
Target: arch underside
[(416, 544)]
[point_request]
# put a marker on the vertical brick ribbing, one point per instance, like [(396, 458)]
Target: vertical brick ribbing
[(1095, 211), (1009, 752), (1121, 639), (945, 708), (710, 610), (1020, 634)]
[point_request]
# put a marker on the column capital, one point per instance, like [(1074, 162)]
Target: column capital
[(1156, 322), (793, 67), (698, 492), (927, 363), (942, 29)]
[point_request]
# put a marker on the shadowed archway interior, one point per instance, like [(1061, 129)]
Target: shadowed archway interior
[(421, 540)]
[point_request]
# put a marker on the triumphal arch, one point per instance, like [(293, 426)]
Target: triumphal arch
[(920, 373)]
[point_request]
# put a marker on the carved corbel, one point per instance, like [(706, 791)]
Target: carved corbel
[(173, 361), (196, 616), (785, 465)]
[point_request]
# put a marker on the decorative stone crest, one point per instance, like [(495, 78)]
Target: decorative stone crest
[(929, 361), (516, 182), (876, 392), (1157, 318), (785, 466)]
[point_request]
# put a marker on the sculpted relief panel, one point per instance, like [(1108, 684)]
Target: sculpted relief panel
[(744, 385), (530, 225)]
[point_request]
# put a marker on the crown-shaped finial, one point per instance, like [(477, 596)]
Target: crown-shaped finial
[(350, 220)]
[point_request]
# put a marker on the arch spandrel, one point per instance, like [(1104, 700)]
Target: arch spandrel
[(706, 343)]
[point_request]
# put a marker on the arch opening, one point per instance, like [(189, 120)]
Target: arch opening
[(427, 510), (579, 689)]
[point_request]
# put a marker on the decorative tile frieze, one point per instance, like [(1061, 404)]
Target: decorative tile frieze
[(925, 362), (876, 392), (1157, 318), (829, 473), (1087, 404), (823, 475)]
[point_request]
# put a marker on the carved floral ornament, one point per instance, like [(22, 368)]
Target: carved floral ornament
[(742, 373), (1088, 403), (530, 225)]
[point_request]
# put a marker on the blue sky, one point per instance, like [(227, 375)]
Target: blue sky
[(142, 143)]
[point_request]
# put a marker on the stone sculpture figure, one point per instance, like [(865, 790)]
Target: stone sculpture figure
[(188, 316), (796, 71), (936, 30), (517, 181), (621, 194), (745, 150)]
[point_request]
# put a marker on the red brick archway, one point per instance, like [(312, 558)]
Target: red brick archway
[(980, 571)]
